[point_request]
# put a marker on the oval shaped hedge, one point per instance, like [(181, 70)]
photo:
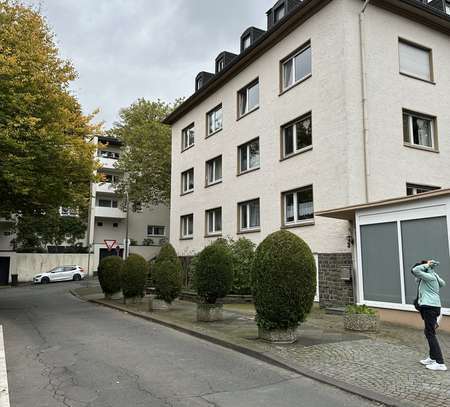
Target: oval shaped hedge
[(213, 272), (110, 275), (134, 276), (166, 275), (284, 281), (167, 252)]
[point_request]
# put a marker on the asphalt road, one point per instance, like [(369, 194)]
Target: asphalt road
[(62, 351)]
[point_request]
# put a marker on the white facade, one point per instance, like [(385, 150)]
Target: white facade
[(334, 166)]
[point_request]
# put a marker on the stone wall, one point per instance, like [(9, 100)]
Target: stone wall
[(335, 279)]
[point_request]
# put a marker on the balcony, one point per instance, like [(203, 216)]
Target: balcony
[(113, 213), (108, 162), (106, 188)]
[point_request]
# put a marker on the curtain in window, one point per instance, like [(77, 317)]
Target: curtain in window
[(288, 73), (254, 154), (304, 133), (244, 166), (218, 164), (422, 132), (289, 208), (305, 207), (253, 96), (218, 215), (288, 140), (254, 214)]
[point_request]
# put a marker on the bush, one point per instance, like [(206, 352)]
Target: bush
[(166, 274), (134, 276), (284, 281), (110, 274), (359, 309), (243, 253), (213, 272)]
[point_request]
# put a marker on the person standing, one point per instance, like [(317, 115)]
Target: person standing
[(430, 308)]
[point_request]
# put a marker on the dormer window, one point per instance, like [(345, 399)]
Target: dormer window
[(279, 13), (220, 64), (246, 42), (447, 7), (198, 83)]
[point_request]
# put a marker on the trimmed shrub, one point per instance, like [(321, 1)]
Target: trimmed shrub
[(134, 276), (110, 274), (284, 281), (213, 272), (167, 252), (243, 253), (166, 275)]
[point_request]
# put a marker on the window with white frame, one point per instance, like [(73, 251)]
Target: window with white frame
[(248, 98), (419, 129), (220, 65), (414, 189), (297, 136), (214, 171), (187, 226), (248, 156), (187, 181), (447, 6), (298, 206), (246, 42), (415, 60), (279, 13), (153, 230), (187, 137), (214, 221), (214, 120), (296, 68), (107, 203), (249, 218)]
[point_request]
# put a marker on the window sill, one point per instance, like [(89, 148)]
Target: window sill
[(212, 184), (248, 113), (214, 133), (187, 238), (247, 171), (213, 235), (244, 232), (418, 78), (187, 193), (295, 84), (303, 150), (187, 148), (299, 225), (429, 149), (156, 236)]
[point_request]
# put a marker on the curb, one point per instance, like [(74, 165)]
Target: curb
[(359, 391), (4, 392)]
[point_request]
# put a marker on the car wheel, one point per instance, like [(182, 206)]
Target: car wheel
[(45, 280), (76, 277)]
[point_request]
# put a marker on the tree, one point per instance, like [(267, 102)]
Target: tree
[(46, 161), (147, 149)]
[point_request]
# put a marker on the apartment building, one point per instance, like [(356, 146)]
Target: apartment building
[(147, 228), (337, 103)]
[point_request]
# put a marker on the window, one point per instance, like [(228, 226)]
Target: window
[(447, 6), (187, 226), (187, 137), (214, 120), (115, 225), (296, 68), (99, 224), (248, 98), (187, 181), (220, 64), (108, 154), (246, 42), (248, 156), (298, 206), (279, 13), (198, 83), (109, 178), (249, 216), (214, 171), (414, 189), (415, 61), (419, 130), (107, 203), (297, 136), (214, 221), (153, 230)]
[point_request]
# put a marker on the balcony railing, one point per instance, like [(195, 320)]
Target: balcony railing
[(106, 187), (115, 213), (107, 162)]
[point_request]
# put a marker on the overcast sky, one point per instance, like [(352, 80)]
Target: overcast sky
[(126, 49)]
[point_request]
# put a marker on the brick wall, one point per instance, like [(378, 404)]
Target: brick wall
[(335, 281)]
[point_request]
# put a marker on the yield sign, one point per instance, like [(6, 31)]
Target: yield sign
[(110, 243)]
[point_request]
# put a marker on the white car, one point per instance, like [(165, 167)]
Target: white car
[(61, 273)]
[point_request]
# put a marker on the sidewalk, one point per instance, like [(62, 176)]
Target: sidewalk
[(383, 366)]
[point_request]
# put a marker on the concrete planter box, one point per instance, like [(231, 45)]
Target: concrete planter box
[(278, 335), (159, 305), (132, 300), (361, 322), (209, 312)]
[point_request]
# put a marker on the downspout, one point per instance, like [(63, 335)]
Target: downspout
[(362, 37)]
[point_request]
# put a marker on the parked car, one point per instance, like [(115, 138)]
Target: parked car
[(61, 273)]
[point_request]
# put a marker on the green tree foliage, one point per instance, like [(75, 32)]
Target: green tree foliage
[(46, 161), (134, 276), (243, 253), (213, 272), (284, 278), (110, 275), (166, 274), (147, 150)]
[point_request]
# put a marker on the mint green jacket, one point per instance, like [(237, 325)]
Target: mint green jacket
[(429, 285)]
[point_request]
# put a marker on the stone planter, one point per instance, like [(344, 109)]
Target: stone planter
[(159, 305), (278, 335), (132, 300), (361, 322), (209, 312)]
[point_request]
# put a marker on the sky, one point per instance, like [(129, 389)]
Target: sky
[(127, 49)]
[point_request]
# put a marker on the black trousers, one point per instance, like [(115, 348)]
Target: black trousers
[(429, 316)]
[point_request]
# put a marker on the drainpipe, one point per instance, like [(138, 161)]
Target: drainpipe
[(365, 108)]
